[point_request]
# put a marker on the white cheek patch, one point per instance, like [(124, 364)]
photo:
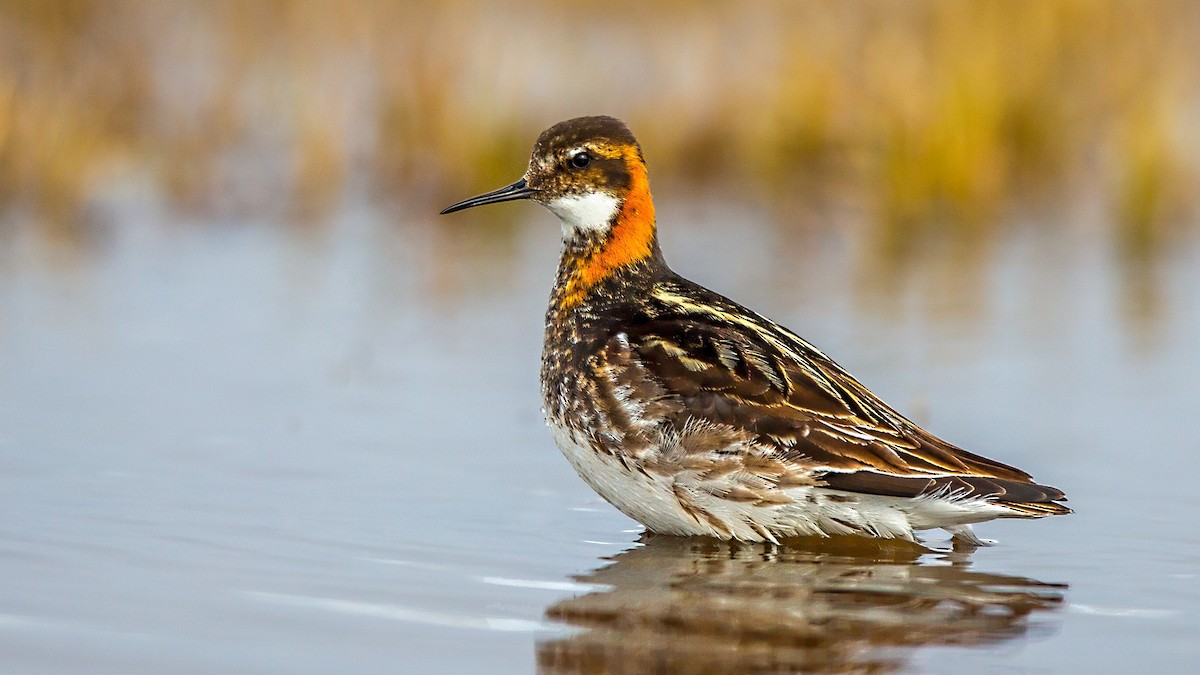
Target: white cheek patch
[(591, 211)]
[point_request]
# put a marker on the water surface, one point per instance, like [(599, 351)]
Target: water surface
[(230, 445)]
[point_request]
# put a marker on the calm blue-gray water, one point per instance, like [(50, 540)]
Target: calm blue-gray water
[(240, 446)]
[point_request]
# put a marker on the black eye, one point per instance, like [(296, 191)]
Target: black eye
[(580, 160)]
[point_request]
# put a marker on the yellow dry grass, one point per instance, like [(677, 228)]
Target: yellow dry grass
[(932, 114)]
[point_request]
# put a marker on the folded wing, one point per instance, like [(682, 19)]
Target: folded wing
[(726, 365)]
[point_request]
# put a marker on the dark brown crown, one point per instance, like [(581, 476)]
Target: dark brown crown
[(582, 130)]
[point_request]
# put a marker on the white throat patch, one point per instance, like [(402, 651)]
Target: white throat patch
[(591, 211)]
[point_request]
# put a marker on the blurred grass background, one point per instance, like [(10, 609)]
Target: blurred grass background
[(935, 116)]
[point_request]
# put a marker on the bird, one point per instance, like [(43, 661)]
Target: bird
[(696, 416)]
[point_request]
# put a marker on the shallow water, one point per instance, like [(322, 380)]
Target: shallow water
[(234, 446)]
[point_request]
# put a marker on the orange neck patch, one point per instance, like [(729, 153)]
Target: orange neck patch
[(631, 238)]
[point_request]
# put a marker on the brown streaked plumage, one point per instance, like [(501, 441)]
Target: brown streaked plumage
[(696, 416)]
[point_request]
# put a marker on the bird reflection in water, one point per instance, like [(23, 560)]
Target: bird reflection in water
[(840, 604)]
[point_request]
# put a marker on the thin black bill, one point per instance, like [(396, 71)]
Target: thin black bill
[(518, 190)]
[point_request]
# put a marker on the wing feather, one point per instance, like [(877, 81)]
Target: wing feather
[(727, 365)]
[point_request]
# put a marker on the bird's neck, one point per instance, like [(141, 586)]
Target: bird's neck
[(590, 256)]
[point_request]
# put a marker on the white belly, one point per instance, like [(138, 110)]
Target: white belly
[(648, 499), (656, 500)]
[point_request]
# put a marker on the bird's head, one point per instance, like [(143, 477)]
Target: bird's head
[(589, 172)]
